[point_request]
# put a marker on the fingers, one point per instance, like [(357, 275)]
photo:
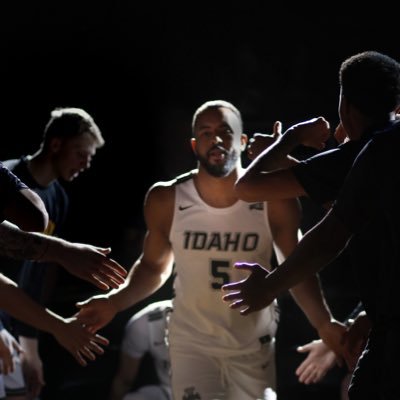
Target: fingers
[(245, 311), (231, 286), (303, 349), (104, 250), (99, 339), (110, 274), (236, 285), (96, 281), (232, 296), (89, 351), (277, 129), (244, 266), (78, 357), (311, 374), (116, 269), (105, 281), (236, 304)]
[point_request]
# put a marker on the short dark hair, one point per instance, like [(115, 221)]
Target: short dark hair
[(68, 122), (371, 82), (216, 104)]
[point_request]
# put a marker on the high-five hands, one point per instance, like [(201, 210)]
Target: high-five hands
[(249, 294)]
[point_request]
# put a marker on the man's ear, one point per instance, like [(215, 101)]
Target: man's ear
[(243, 141), (55, 144), (193, 144)]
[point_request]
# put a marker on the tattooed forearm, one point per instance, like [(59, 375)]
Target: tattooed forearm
[(18, 244)]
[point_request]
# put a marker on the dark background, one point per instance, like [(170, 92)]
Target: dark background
[(142, 68)]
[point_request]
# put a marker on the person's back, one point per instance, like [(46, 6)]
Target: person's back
[(368, 204), (370, 95)]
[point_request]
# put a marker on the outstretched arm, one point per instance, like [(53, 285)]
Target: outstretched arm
[(320, 359), (284, 216), (68, 332), (268, 177), (148, 273), (82, 260), (316, 249)]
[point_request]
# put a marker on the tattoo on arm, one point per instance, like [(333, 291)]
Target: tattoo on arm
[(18, 244)]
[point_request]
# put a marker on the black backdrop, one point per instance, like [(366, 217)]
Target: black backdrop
[(141, 68)]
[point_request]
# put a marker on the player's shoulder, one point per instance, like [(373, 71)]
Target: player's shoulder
[(185, 177), (173, 182), (164, 190), (11, 163)]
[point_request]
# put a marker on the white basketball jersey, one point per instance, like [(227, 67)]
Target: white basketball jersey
[(146, 332), (207, 242)]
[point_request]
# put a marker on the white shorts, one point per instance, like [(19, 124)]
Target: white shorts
[(150, 392), (196, 374), (12, 384)]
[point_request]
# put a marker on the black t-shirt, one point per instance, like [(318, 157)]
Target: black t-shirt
[(369, 206), (9, 184), (40, 280)]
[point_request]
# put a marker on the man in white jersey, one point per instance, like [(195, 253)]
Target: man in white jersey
[(145, 333), (197, 222)]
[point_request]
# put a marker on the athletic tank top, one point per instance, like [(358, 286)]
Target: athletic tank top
[(206, 243), (145, 332)]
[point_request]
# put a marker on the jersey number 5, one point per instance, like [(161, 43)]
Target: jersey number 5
[(219, 270)]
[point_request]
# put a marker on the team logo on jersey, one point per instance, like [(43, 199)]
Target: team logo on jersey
[(220, 241), (181, 208), (256, 206), (191, 394)]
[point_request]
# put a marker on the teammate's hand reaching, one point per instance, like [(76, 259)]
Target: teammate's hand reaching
[(95, 312), (249, 294), (88, 262), (260, 141)]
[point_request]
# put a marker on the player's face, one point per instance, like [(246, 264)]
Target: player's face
[(73, 156), (218, 141)]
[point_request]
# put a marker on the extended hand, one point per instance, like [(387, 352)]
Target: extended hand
[(260, 141), (92, 264), (95, 312), (312, 133), (319, 361), (249, 294), (81, 343)]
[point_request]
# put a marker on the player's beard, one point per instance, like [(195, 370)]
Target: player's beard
[(223, 169)]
